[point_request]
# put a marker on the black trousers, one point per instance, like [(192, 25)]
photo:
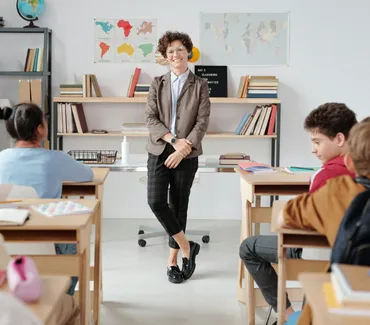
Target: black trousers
[(169, 191)]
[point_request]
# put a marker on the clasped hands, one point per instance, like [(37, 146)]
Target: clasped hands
[(183, 148)]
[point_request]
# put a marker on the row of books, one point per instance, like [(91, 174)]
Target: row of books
[(71, 118), (260, 122), (34, 60), (89, 83), (258, 87), (141, 90)]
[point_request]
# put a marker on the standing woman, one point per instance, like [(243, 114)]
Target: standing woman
[(177, 115)]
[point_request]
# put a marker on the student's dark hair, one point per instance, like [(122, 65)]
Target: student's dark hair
[(331, 119), (168, 37), (22, 121)]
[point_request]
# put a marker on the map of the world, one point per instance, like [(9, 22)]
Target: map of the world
[(244, 38), (125, 40)]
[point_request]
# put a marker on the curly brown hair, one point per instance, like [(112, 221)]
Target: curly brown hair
[(168, 37), (331, 119), (359, 147)]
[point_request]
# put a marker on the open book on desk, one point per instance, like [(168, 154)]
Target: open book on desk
[(61, 208), (13, 217)]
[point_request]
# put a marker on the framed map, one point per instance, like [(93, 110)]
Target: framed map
[(125, 40), (254, 39)]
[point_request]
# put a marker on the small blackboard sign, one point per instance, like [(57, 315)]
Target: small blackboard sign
[(216, 75)]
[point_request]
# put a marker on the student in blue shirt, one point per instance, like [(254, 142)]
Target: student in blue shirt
[(28, 163)]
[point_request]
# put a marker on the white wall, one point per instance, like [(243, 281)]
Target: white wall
[(329, 57)]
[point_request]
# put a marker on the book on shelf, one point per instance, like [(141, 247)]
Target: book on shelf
[(71, 118), (258, 87), (259, 122), (34, 60), (233, 158), (133, 82), (85, 89), (135, 128)]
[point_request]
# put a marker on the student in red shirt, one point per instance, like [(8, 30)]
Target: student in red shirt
[(329, 126)]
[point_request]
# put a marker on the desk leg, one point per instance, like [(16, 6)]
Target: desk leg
[(84, 277), (257, 226), (97, 261), (281, 280)]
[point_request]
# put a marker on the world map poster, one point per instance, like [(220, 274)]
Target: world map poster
[(125, 40), (252, 39)]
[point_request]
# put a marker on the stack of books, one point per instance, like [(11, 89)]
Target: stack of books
[(233, 158), (348, 292), (141, 90), (71, 90), (89, 83), (258, 87), (260, 122), (134, 128), (263, 87)]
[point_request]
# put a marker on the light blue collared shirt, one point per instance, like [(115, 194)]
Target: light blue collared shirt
[(177, 82)]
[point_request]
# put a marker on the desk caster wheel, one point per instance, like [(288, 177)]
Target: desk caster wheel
[(141, 232), (205, 239), (142, 242)]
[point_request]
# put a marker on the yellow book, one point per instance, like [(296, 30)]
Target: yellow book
[(334, 306)]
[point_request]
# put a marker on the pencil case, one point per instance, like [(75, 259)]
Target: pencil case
[(23, 279)]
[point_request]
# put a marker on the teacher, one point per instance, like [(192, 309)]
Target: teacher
[(177, 116)]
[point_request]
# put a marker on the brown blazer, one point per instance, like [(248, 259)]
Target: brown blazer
[(322, 211), (192, 113)]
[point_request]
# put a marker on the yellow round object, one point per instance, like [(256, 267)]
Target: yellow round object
[(195, 54)]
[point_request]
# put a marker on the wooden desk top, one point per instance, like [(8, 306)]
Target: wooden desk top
[(312, 285), (100, 174), (278, 178), (53, 287), (38, 221)]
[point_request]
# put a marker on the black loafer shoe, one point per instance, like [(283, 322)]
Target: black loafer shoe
[(174, 274), (188, 265)]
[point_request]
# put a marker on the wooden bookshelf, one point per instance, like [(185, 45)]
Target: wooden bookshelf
[(142, 100), (226, 135)]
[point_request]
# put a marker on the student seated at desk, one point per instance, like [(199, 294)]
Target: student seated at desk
[(28, 163), (311, 211), (329, 125)]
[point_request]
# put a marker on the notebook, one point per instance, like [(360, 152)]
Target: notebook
[(61, 208), (13, 217), (351, 283), (254, 167)]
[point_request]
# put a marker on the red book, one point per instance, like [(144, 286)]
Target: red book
[(135, 80), (270, 130)]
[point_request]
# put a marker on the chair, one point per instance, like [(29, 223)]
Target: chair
[(25, 192)]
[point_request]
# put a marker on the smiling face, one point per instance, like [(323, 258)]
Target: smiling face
[(177, 56)]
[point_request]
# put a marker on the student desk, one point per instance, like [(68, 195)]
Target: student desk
[(252, 187), (93, 188), (312, 284), (69, 229), (53, 287), (288, 269)]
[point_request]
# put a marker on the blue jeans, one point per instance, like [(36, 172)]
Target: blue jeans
[(68, 249)]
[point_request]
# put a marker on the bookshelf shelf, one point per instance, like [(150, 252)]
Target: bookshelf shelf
[(20, 30), (142, 100), (226, 135), (24, 74), (57, 137)]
